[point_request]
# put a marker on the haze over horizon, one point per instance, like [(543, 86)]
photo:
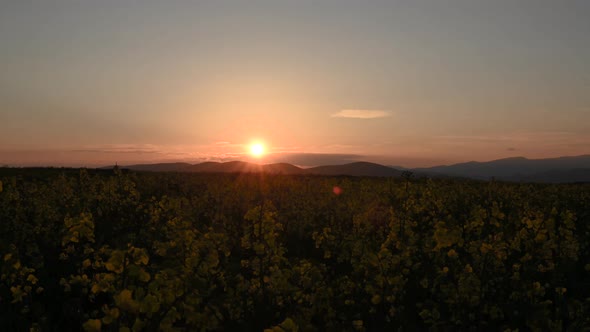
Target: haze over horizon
[(405, 83)]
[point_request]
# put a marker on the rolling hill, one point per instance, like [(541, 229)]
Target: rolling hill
[(516, 169), (556, 170), (353, 169)]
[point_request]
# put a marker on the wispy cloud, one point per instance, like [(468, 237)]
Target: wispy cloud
[(361, 114), (120, 148)]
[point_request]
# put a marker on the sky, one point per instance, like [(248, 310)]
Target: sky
[(404, 83)]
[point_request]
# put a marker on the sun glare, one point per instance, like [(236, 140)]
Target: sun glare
[(257, 150)]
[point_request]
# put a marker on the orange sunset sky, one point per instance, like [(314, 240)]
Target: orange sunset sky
[(408, 83)]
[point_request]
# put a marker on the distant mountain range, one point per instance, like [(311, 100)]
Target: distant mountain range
[(563, 169), (353, 169)]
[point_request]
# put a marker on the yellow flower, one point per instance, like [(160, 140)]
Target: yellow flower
[(357, 324), (32, 279), (92, 325), (376, 299), (452, 253)]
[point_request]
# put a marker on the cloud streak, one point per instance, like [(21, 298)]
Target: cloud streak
[(361, 114)]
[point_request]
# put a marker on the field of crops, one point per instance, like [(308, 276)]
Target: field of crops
[(124, 251)]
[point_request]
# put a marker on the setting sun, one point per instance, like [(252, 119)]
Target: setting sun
[(257, 150)]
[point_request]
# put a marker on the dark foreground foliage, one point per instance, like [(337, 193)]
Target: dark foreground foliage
[(122, 251)]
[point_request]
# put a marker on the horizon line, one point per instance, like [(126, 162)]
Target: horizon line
[(8, 165)]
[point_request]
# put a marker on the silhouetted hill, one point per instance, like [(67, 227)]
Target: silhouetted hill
[(518, 168), (355, 169), (557, 176), (216, 167), (283, 168), (228, 167), (161, 167), (564, 169)]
